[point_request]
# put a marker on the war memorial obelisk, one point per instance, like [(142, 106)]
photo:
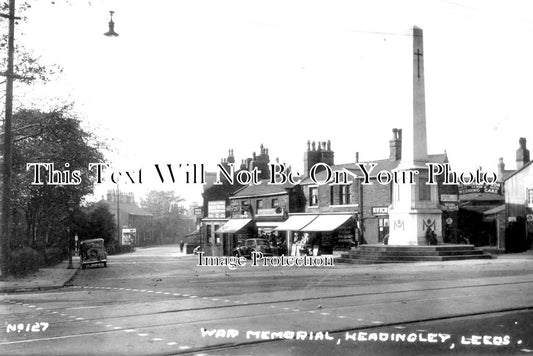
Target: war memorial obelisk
[(415, 207)]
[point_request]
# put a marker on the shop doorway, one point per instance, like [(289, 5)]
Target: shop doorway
[(383, 228)]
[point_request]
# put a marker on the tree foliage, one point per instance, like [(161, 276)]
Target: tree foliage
[(168, 215), (27, 65), (41, 212), (95, 221)]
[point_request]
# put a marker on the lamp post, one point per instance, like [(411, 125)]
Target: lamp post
[(71, 205), (119, 240), (111, 32)]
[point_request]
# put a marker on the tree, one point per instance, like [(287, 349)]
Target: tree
[(164, 206), (95, 221), (41, 212)]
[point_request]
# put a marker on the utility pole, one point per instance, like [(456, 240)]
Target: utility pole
[(6, 178)]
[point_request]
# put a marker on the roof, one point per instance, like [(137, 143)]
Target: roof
[(506, 173), (518, 170), (381, 165), (262, 189)]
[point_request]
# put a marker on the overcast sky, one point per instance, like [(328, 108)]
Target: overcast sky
[(187, 80)]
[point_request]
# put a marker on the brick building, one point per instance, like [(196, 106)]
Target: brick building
[(235, 212), (339, 213), (131, 216)]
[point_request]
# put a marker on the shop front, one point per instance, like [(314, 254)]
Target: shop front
[(233, 231), (319, 233)]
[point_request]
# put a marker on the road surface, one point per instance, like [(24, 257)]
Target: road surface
[(157, 301)]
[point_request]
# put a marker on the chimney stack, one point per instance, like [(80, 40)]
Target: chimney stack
[(396, 145), (522, 154)]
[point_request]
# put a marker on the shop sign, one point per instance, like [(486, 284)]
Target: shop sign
[(529, 197), (451, 206), (494, 188), (511, 219), (380, 210), (529, 217), (272, 211), (198, 212), (449, 197), (216, 209)]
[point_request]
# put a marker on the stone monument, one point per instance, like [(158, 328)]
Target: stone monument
[(415, 207)]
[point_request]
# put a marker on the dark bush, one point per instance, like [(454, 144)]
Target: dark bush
[(112, 248), (24, 261), (53, 256)]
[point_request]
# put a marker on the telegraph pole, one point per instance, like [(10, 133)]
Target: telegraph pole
[(6, 177)]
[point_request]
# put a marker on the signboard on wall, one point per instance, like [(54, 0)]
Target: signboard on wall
[(449, 197), (380, 210), (529, 197), (216, 209), (128, 236), (450, 206), (494, 188), (198, 212)]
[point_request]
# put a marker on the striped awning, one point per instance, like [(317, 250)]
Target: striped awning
[(295, 222), (233, 226), (328, 222)]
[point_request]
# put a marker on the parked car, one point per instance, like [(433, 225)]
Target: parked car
[(92, 252), (251, 245)]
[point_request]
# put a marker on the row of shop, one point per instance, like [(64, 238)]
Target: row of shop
[(320, 233)]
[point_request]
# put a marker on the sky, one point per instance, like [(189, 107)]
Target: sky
[(187, 80)]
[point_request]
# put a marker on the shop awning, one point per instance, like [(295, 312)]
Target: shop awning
[(295, 222), (327, 222), (233, 226)]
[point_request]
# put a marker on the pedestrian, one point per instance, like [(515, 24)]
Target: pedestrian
[(181, 246)]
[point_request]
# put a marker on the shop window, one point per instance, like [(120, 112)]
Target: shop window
[(383, 228), (259, 205), (208, 233), (217, 236), (313, 196)]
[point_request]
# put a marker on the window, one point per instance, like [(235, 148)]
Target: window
[(208, 230), (313, 196), (275, 203), (217, 236), (344, 194), (244, 207), (259, 205), (332, 195)]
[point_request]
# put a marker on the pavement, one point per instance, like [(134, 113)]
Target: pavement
[(46, 278), (59, 275)]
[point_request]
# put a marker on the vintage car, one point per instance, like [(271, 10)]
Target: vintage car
[(245, 249), (92, 252)]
